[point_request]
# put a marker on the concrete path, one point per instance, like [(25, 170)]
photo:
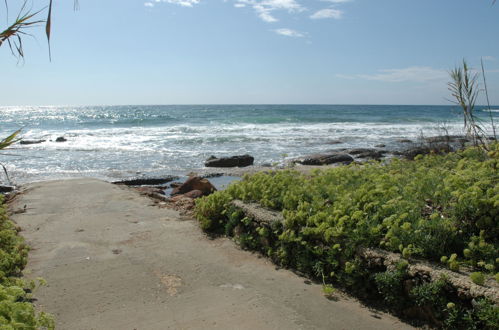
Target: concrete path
[(112, 260)]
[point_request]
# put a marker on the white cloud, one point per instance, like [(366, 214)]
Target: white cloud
[(265, 8), (289, 33), (411, 74), (489, 58), (327, 13), (183, 3), (239, 5), (337, 1)]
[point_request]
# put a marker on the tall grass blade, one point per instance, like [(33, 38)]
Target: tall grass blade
[(488, 101), (48, 26)]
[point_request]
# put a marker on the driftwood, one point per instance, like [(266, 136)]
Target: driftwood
[(433, 272)]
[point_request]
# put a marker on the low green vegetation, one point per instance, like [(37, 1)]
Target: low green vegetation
[(16, 309), (442, 208)]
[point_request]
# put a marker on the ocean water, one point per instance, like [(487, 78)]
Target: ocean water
[(111, 142)]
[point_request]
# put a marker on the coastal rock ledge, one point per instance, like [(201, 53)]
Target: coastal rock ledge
[(325, 159), (234, 161)]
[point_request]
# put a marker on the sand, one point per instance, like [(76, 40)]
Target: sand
[(114, 260)]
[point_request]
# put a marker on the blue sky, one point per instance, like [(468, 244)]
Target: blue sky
[(251, 51)]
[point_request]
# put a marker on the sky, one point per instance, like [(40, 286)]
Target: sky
[(116, 52)]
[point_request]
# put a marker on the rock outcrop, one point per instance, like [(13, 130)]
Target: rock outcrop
[(234, 161), (203, 187), (31, 141), (325, 159)]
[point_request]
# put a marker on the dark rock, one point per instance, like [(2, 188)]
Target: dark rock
[(404, 141), (234, 161), (424, 150), (373, 154), (211, 175), (175, 184), (325, 159), (413, 152), (6, 189), (194, 194), (334, 142), (146, 181), (195, 183), (380, 145), (61, 139), (446, 138), (32, 141), (357, 151), (367, 153)]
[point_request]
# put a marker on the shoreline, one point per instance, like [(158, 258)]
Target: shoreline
[(401, 147)]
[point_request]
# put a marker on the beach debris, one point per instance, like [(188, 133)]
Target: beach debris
[(325, 159), (31, 141), (61, 139), (234, 161), (195, 183)]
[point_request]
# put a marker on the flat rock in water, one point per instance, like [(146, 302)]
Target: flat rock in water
[(5, 189), (31, 141), (367, 153), (61, 139), (334, 142), (146, 181), (325, 159), (234, 161)]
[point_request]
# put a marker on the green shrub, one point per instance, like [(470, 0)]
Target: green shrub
[(390, 286), (16, 310), (477, 278), (438, 207)]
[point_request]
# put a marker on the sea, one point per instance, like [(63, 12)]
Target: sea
[(117, 142)]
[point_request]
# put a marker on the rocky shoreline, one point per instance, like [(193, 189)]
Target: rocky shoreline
[(180, 193), (239, 165)]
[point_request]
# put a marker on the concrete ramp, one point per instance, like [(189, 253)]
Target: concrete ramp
[(113, 260)]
